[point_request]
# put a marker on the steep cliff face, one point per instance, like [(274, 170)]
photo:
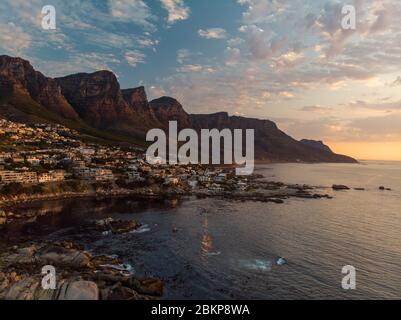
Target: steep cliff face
[(17, 76), (166, 109), (137, 100), (97, 98), (271, 144)]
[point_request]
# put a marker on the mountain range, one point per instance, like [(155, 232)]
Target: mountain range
[(96, 106)]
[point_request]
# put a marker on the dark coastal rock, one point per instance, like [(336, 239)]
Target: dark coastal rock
[(80, 276), (275, 200), (121, 293), (79, 290), (116, 226), (338, 187), (60, 256), (382, 188), (300, 187), (150, 286)]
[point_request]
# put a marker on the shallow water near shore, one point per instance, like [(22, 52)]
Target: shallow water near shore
[(224, 249)]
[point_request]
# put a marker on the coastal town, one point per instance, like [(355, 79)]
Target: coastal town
[(48, 153), (46, 161)]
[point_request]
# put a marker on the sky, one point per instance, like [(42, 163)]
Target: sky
[(290, 61)]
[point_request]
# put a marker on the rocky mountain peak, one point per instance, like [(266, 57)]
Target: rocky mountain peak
[(96, 97), (17, 74), (167, 109), (96, 101), (136, 97)]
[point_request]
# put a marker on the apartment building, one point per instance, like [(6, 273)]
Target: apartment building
[(99, 175), (94, 174), (18, 177), (52, 176)]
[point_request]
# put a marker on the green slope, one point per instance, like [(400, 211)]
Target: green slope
[(20, 107)]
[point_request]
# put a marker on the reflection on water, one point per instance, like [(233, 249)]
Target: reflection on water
[(207, 242)]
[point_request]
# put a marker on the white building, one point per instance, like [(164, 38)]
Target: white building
[(98, 175), (18, 177), (33, 160), (52, 176)]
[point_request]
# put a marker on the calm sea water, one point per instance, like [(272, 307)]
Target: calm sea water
[(227, 249)]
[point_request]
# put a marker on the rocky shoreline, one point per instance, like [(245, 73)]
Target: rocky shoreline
[(79, 274), (83, 276), (262, 191), (7, 216)]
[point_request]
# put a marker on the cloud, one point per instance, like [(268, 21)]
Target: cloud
[(13, 39), (76, 63), (379, 128), (262, 11), (134, 57), (113, 33), (235, 41), (316, 109), (378, 106), (262, 43), (213, 33), (278, 56), (397, 82), (136, 11), (233, 56), (195, 68), (289, 59), (184, 56), (373, 17), (177, 10)]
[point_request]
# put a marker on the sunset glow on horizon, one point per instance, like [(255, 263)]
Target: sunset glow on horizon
[(387, 151)]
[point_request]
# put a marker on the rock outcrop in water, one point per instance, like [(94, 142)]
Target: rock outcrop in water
[(338, 187)]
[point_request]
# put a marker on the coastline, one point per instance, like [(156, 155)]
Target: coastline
[(275, 192), (103, 277)]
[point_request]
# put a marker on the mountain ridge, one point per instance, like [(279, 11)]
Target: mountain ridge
[(95, 104)]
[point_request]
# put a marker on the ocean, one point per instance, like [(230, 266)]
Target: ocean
[(225, 249)]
